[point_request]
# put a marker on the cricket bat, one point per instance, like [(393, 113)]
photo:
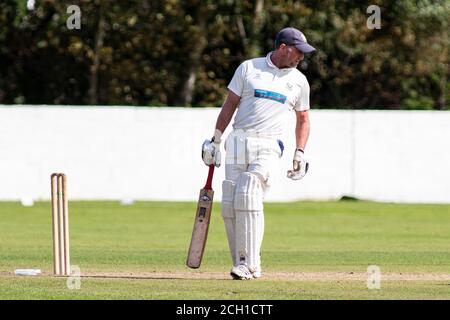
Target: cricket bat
[(201, 223)]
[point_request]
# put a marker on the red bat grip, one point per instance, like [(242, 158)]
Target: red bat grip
[(210, 177)]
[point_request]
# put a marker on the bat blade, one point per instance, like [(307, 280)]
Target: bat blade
[(201, 226)]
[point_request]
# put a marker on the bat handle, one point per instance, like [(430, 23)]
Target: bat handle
[(210, 177)]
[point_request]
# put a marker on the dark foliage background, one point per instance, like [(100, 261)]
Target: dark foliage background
[(183, 53)]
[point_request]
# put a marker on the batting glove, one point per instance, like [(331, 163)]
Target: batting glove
[(300, 166), (211, 150)]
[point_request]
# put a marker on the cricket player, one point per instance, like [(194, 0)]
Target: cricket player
[(264, 91)]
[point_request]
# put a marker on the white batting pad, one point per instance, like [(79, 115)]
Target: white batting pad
[(249, 193), (228, 215), (248, 205)]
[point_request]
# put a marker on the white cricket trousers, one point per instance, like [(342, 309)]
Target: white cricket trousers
[(250, 161)]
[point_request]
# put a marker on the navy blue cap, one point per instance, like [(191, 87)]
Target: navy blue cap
[(293, 37)]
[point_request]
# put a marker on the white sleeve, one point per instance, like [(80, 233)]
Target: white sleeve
[(237, 83), (303, 100)]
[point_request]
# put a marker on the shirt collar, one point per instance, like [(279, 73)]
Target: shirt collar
[(271, 65), (269, 61)]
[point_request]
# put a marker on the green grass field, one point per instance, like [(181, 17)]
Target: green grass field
[(311, 250)]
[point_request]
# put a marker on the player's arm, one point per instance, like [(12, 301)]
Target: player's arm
[(302, 129), (227, 111), (211, 148)]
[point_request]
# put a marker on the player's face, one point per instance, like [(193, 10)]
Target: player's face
[(292, 56)]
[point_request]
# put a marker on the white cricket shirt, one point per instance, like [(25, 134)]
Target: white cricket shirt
[(267, 95)]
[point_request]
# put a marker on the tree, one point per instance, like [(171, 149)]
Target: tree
[(184, 52)]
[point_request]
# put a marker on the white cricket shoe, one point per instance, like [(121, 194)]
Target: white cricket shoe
[(241, 272)]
